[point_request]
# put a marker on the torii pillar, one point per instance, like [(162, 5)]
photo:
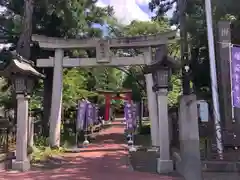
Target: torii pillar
[(152, 101), (107, 107), (56, 104)]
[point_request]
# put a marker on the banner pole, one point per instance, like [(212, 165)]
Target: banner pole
[(86, 142), (76, 127), (212, 59)]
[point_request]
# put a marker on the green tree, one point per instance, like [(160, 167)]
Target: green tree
[(197, 32), (137, 28), (107, 78), (74, 19)]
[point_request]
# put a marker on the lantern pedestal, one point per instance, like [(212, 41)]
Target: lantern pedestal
[(21, 165), (189, 138), (165, 165), (22, 162)]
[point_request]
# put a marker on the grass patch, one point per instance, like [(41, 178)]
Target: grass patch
[(145, 129), (146, 122), (143, 140), (143, 136), (41, 154)]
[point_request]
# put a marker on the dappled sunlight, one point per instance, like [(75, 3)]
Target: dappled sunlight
[(102, 161)]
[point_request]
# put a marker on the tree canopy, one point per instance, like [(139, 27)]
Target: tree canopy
[(197, 32), (84, 19), (77, 19)]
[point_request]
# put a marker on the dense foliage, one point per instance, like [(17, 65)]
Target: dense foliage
[(80, 19), (197, 32)]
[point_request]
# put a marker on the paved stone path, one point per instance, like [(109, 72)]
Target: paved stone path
[(106, 159), (221, 176)]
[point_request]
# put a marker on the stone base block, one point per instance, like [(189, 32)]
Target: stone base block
[(108, 122), (21, 165), (221, 166), (144, 161), (164, 166)]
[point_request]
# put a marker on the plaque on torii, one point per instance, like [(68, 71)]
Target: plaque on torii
[(103, 54)]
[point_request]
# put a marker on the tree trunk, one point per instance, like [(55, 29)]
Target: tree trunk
[(182, 4), (47, 100), (24, 42)]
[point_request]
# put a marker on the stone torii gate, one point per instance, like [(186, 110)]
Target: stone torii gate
[(104, 57)]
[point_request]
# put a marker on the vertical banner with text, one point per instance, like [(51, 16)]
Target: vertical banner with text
[(129, 116), (94, 114), (235, 75), (125, 110), (81, 114), (134, 113), (89, 115)]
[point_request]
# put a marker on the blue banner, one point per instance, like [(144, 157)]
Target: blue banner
[(134, 113), (129, 116), (125, 111), (235, 75), (89, 114), (81, 114), (97, 114)]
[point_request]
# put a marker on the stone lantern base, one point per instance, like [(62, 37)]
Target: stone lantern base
[(164, 166), (21, 165)]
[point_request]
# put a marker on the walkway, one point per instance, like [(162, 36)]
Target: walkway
[(106, 159)]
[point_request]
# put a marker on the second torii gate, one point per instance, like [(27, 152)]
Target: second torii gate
[(114, 95)]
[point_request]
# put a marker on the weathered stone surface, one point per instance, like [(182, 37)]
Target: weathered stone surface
[(128, 42), (238, 166), (145, 161), (221, 176), (6, 160), (220, 166)]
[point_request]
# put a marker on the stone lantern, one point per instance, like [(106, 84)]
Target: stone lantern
[(23, 76), (161, 70), (161, 78)]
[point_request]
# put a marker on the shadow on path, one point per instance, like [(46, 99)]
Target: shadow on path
[(105, 164)]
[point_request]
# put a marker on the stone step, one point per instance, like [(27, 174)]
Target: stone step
[(6, 160), (221, 166), (210, 165), (144, 161)]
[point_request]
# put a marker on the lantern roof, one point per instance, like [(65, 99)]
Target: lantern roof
[(162, 60), (15, 64), (165, 62)]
